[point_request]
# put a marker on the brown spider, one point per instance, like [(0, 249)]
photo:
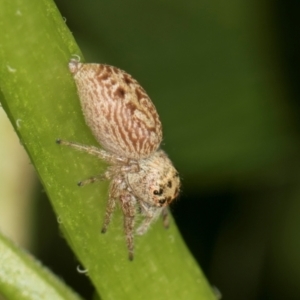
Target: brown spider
[(125, 122)]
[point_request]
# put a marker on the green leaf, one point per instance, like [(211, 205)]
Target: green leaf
[(41, 102), (22, 277)]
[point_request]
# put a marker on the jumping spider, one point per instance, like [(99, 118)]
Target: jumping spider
[(125, 122)]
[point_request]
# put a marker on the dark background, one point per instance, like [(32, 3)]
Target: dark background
[(224, 76)]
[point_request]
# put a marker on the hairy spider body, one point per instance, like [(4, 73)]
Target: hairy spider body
[(126, 124)]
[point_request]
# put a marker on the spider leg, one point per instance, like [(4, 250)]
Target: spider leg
[(151, 215), (114, 194), (108, 174), (100, 177), (128, 208), (92, 150), (165, 217), (111, 204)]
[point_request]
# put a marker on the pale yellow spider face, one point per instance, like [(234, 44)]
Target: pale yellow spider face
[(157, 183)]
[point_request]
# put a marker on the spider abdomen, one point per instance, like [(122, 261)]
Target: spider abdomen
[(119, 112)]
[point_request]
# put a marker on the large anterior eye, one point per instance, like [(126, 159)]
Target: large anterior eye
[(158, 192)]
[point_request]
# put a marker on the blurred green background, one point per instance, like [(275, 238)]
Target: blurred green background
[(224, 78)]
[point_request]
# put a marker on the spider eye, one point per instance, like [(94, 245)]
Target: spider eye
[(158, 192), (162, 201)]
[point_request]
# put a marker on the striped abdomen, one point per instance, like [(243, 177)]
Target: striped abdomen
[(117, 109)]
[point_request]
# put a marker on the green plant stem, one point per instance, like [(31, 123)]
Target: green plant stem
[(41, 102), (22, 277)]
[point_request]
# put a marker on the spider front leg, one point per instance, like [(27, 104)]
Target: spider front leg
[(111, 204), (116, 184), (101, 177), (165, 217), (128, 204), (151, 213)]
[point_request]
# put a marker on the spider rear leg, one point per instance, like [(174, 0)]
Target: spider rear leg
[(92, 150)]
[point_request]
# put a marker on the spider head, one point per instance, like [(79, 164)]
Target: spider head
[(157, 183), (165, 189)]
